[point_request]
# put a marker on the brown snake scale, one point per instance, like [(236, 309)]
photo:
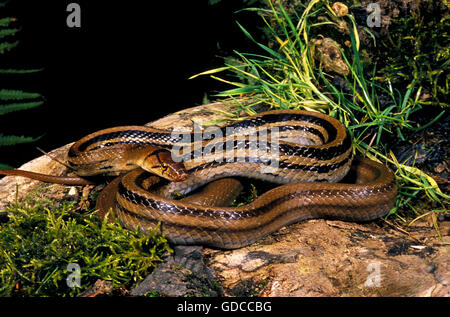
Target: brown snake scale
[(306, 152)]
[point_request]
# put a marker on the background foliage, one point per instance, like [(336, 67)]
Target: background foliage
[(12, 100)]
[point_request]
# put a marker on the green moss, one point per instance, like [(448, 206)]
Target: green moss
[(417, 47), (246, 196), (152, 294), (39, 241)]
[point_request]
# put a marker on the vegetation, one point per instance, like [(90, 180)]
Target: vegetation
[(40, 240), (12, 100), (419, 50), (285, 75)]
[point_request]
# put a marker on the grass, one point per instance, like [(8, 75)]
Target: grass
[(283, 76), (41, 239)]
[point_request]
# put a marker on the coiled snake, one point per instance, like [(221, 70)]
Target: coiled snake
[(306, 152)]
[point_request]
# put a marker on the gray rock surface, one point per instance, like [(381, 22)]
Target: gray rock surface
[(181, 274)]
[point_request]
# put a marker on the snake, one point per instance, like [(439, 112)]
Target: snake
[(307, 155)]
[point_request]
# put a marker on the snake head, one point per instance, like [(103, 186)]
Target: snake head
[(160, 162)]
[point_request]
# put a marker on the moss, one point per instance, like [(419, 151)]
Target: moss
[(40, 240), (152, 294), (417, 48)]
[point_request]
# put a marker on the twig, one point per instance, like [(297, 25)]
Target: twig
[(370, 144), (52, 158), (390, 224)]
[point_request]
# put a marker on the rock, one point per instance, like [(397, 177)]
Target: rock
[(16, 188), (100, 287), (335, 258), (181, 274)]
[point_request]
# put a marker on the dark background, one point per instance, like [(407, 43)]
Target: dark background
[(129, 63)]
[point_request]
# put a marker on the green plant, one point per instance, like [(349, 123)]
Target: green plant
[(41, 239), (418, 48), (12, 100), (285, 77)]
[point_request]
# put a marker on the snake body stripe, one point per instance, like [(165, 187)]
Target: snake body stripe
[(324, 169)]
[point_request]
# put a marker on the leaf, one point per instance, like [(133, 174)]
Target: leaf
[(8, 32), (4, 109), (5, 167), (267, 49), (416, 171), (431, 122), (7, 46), (20, 71), (238, 91), (209, 72), (6, 21), (8, 140), (8, 94)]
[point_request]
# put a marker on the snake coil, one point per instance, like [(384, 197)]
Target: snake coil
[(307, 153)]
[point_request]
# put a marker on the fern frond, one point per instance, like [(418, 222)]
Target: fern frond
[(13, 99), (7, 46), (5, 167), (20, 71), (8, 140), (8, 32), (4, 109), (6, 21), (9, 94)]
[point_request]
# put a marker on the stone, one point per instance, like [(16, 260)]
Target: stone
[(181, 274), (335, 258)]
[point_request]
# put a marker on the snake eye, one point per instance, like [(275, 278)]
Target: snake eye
[(160, 162), (162, 165)]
